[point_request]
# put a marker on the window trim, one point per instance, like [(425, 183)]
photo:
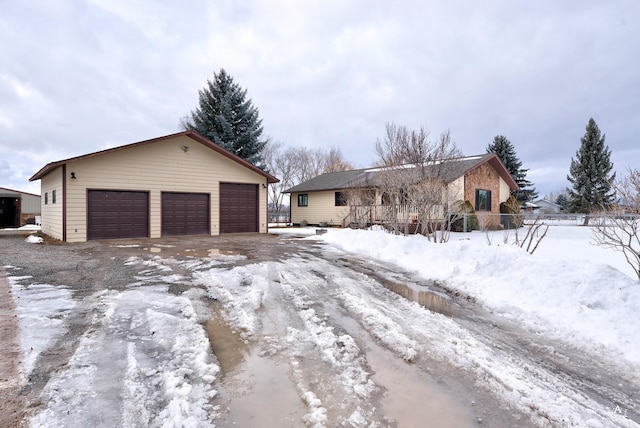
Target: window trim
[(303, 199), (46, 198), (340, 199), (53, 196)]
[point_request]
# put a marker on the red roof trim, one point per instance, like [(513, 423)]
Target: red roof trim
[(191, 134)]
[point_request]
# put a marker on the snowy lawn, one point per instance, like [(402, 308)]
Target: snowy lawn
[(568, 289)]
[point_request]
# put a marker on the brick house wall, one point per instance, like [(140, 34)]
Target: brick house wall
[(485, 178)]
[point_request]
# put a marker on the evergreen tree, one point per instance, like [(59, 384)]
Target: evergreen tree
[(502, 147), (589, 174), (563, 201), (226, 117)]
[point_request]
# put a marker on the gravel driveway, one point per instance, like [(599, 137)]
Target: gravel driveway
[(269, 331)]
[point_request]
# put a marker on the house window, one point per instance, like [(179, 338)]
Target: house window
[(53, 196), (483, 200), (303, 200), (341, 199), (46, 198)]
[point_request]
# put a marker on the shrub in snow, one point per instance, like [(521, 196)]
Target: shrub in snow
[(464, 209), (511, 218)]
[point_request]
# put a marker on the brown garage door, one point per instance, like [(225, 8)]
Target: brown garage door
[(238, 208), (185, 213), (117, 214)]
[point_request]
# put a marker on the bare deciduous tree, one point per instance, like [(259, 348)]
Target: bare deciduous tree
[(413, 182), (618, 226), (295, 165), (334, 162)]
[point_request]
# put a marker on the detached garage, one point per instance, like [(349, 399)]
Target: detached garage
[(18, 208), (180, 184)]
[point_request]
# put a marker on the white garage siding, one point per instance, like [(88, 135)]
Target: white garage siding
[(183, 162), (51, 213)]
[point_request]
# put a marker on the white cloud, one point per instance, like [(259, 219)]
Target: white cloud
[(324, 73)]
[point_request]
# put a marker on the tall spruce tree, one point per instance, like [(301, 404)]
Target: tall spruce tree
[(225, 116), (502, 147), (589, 174)]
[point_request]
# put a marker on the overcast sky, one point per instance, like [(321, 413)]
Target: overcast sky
[(80, 76)]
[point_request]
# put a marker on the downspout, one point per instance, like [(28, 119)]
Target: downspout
[(267, 201), (64, 202)]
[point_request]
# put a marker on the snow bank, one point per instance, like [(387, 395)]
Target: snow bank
[(588, 304)]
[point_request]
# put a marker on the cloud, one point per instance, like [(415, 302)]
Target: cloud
[(85, 75)]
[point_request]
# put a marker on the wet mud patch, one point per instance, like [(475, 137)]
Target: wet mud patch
[(226, 345), (12, 405), (256, 390), (209, 253), (411, 397)]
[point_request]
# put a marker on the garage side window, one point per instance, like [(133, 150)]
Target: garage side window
[(483, 200), (46, 198), (303, 200), (53, 196), (341, 199)]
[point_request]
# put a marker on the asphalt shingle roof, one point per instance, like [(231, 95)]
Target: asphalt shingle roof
[(450, 170)]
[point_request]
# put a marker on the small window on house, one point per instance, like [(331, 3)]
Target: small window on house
[(303, 200), (483, 200), (341, 199), (53, 196), (46, 198)]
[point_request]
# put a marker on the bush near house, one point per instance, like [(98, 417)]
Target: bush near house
[(464, 209), (511, 217)]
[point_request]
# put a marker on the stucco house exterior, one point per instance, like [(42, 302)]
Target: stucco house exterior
[(178, 184), (18, 208), (483, 180)]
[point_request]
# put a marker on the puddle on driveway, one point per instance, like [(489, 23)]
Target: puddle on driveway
[(256, 389), (228, 348), (413, 398), (430, 300), (207, 253)]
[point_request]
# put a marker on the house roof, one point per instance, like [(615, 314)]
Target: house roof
[(12, 191), (190, 134), (333, 181), (547, 202), (455, 168)]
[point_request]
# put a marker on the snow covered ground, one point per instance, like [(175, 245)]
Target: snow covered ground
[(146, 359), (569, 289)]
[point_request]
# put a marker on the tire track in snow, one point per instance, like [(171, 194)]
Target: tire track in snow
[(549, 397), (145, 361)]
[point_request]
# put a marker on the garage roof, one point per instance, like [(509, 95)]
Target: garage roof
[(191, 134)]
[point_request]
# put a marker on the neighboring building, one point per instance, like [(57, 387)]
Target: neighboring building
[(483, 180), (179, 184), (546, 207), (18, 208)]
